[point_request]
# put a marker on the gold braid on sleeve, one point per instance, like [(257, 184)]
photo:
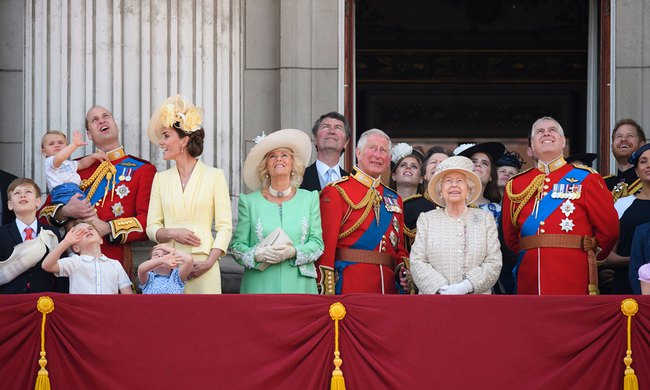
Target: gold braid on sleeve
[(120, 228), (518, 201), (370, 201)]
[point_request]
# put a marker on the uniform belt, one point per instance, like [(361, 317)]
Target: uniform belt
[(363, 256), (587, 244)]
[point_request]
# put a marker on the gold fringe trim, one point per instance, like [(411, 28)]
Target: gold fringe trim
[(629, 307), (45, 305), (337, 312)]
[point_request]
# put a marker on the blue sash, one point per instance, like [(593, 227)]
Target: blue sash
[(547, 205), (122, 167), (369, 239)]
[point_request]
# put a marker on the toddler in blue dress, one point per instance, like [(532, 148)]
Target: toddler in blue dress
[(166, 272)]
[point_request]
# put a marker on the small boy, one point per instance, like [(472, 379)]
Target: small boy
[(24, 198), (89, 270), (60, 173)]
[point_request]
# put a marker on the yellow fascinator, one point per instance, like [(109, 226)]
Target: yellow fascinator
[(174, 112)]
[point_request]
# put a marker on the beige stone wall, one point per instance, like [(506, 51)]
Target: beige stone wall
[(291, 62), (11, 86), (632, 64)]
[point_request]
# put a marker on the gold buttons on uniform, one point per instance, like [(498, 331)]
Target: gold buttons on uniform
[(542, 231), (547, 180), (542, 223)]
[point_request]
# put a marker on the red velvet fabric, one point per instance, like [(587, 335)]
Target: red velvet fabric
[(272, 341)]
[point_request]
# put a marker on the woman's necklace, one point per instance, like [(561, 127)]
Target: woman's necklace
[(280, 194)]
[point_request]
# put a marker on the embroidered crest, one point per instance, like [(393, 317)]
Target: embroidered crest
[(567, 224), (567, 208), (122, 190), (117, 209), (571, 180)]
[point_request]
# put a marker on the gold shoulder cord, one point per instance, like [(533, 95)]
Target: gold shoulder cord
[(104, 170), (518, 201), (372, 199)]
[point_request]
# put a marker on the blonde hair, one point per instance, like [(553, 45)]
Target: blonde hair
[(53, 132), (297, 172)]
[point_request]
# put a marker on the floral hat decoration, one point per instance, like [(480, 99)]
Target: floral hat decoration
[(174, 112), (402, 150)]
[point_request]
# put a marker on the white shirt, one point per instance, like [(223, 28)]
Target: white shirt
[(93, 275), (322, 169), (21, 228), (66, 173)]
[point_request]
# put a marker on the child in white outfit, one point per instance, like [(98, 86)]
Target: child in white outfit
[(90, 272), (60, 173)]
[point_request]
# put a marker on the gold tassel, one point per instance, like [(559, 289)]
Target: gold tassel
[(629, 307), (337, 312), (45, 305)]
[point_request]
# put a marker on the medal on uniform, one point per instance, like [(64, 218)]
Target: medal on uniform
[(121, 178), (122, 190), (117, 209), (567, 225), (396, 224), (393, 239), (128, 174), (392, 205), (567, 208)]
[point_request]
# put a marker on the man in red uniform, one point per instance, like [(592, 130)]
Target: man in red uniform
[(363, 224), (117, 191), (557, 217)]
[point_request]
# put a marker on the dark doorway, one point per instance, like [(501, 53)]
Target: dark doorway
[(462, 70)]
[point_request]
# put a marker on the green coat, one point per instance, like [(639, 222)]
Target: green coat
[(300, 219)]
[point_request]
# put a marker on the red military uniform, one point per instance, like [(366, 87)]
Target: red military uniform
[(122, 200), (364, 251), (582, 207)]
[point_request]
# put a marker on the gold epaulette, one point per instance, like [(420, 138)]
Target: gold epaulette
[(586, 168), (121, 227)]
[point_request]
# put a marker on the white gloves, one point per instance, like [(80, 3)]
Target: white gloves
[(274, 254), (464, 287)]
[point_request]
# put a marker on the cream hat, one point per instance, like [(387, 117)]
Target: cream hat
[(177, 112), (296, 140), (454, 164)]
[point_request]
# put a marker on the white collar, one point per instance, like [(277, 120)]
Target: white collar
[(322, 168), (91, 258), (21, 226)]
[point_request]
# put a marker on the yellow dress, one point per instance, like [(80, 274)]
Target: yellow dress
[(204, 202)]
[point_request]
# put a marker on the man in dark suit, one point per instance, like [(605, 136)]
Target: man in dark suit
[(24, 199), (331, 134), (5, 214)]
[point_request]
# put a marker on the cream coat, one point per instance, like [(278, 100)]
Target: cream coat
[(205, 201), (447, 250)]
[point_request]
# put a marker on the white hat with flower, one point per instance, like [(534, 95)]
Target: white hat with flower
[(295, 140), (174, 112)]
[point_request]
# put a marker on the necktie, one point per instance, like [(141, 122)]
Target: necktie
[(330, 176), (28, 233)]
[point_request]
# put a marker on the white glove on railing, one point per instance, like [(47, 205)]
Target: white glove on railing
[(464, 287)]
